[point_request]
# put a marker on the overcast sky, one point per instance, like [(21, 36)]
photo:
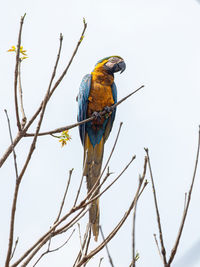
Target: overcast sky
[(159, 41)]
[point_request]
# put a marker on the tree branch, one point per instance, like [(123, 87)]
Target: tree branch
[(163, 251), (174, 250), (16, 72), (102, 113)]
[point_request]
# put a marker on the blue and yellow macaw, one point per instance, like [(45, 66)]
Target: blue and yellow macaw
[(97, 92)]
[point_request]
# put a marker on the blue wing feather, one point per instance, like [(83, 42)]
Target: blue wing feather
[(114, 92), (84, 91)]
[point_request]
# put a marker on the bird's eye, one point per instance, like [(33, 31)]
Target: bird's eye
[(112, 59)]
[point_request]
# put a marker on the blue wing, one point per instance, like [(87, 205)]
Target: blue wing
[(114, 92), (84, 91)]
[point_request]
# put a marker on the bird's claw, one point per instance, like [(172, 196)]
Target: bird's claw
[(96, 115), (108, 109)]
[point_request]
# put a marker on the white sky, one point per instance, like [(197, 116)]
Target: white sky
[(159, 41)]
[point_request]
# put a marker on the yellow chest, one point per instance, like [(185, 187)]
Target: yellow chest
[(100, 92)]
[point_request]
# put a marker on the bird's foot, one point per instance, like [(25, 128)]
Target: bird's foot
[(108, 109), (96, 115)]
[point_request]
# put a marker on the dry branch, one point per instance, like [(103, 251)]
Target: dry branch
[(16, 72), (163, 250), (174, 250), (115, 230), (102, 113), (23, 132)]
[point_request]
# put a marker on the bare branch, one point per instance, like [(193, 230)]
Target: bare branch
[(108, 253), (157, 211), (16, 243), (81, 182), (24, 119), (100, 261), (17, 186), (53, 250), (24, 131), (43, 239), (156, 241), (102, 113), (133, 236), (87, 236), (64, 197), (16, 72), (71, 59), (115, 230), (173, 252), (11, 139)]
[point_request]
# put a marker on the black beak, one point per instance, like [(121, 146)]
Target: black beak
[(121, 66)]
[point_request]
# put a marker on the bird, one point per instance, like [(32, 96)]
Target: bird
[(97, 92)]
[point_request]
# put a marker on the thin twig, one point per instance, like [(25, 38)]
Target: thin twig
[(108, 253), (53, 250), (156, 241), (102, 113), (100, 261), (11, 139), (16, 72), (163, 251), (88, 242), (64, 197), (141, 178), (80, 239), (133, 236), (185, 200), (14, 249), (24, 119), (71, 59), (88, 230), (173, 252), (81, 182)]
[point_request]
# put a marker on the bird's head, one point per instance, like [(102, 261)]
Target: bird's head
[(112, 64)]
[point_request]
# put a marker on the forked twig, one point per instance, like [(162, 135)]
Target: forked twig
[(16, 243), (53, 250)]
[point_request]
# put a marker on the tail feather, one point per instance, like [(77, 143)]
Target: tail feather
[(92, 169)]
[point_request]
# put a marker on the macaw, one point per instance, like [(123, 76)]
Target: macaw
[(97, 92)]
